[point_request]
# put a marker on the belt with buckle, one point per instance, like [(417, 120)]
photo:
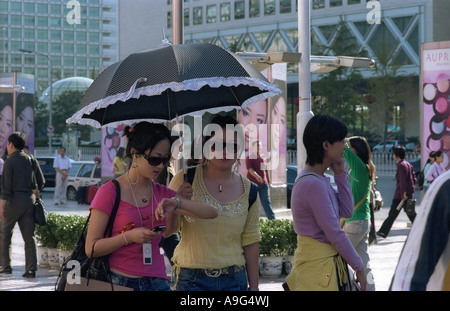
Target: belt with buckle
[(214, 273)]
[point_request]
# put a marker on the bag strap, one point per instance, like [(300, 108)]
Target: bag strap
[(109, 226)]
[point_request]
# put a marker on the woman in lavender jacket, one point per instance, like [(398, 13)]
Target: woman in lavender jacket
[(323, 247)]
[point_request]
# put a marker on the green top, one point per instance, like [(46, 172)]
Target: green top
[(360, 186)]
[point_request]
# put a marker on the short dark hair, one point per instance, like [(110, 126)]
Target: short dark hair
[(17, 139), (400, 152), (319, 129)]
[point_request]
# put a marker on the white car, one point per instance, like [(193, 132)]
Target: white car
[(82, 173), (390, 144)]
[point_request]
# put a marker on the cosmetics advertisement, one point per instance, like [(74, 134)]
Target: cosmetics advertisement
[(112, 140), (436, 100)]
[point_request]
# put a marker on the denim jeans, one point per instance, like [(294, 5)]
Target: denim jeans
[(145, 283), (263, 191), (197, 280)]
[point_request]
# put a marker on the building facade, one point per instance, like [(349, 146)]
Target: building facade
[(72, 37)]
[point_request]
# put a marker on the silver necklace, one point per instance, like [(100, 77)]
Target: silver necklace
[(144, 197), (139, 208)]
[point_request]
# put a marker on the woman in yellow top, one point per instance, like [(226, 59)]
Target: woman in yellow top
[(119, 163), (222, 253)]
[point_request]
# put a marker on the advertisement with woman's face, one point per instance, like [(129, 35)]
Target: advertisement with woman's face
[(6, 120), (25, 118), (112, 140), (254, 120)]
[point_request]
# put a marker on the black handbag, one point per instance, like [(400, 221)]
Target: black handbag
[(410, 207), (40, 214), (96, 268)]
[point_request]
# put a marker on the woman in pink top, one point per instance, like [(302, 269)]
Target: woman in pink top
[(134, 255), (317, 209)]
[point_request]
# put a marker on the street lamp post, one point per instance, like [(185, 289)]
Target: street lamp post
[(50, 106)]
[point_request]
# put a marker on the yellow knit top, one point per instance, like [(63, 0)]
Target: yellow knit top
[(216, 243)]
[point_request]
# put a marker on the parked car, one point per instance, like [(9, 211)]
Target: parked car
[(390, 144), (82, 173), (291, 175), (46, 164)]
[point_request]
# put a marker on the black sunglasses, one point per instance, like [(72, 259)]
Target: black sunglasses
[(155, 161), (234, 146)]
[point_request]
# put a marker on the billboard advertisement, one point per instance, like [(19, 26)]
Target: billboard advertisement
[(17, 110), (436, 100)]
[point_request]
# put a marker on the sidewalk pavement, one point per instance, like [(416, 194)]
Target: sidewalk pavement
[(384, 255)]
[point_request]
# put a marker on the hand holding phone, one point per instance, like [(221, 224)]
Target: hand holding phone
[(159, 228)]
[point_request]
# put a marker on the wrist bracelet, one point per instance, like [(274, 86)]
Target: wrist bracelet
[(125, 237), (178, 203)]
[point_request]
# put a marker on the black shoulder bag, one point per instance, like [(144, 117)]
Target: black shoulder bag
[(90, 268)]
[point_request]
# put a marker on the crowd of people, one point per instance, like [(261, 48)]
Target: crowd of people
[(214, 214)]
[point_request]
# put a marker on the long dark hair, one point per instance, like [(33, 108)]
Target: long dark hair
[(362, 149)]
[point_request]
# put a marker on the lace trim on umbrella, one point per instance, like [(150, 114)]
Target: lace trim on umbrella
[(188, 85)]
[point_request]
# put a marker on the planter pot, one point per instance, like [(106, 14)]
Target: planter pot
[(53, 258), (62, 255), (270, 266), (288, 262), (42, 254)]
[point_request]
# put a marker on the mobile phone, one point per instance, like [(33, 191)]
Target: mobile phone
[(159, 228)]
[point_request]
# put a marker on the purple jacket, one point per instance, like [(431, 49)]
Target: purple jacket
[(406, 179), (316, 211)]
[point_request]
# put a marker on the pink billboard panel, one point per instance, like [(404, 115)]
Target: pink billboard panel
[(436, 100)]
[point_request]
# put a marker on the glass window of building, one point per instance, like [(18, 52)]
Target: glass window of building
[(353, 1), (42, 34), (94, 37), (269, 7), (28, 59), (335, 3), (3, 6), (16, 7), (94, 62), (225, 12), (94, 49), (42, 21), (69, 73), (81, 49), (16, 58), (16, 33), (211, 14), (16, 45), (68, 61), (94, 24), (55, 35), (239, 10), (4, 19), (186, 17), (28, 33), (254, 8), (42, 60), (68, 48), (42, 8), (55, 47), (56, 60), (68, 35), (42, 47), (55, 9), (81, 61), (197, 14), (42, 73), (285, 6), (55, 22), (16, 19), (94, 12), (29, 70), (318, 4), (81, 36), (28, 20), (169, 19), (29, 45), (28, 7)]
